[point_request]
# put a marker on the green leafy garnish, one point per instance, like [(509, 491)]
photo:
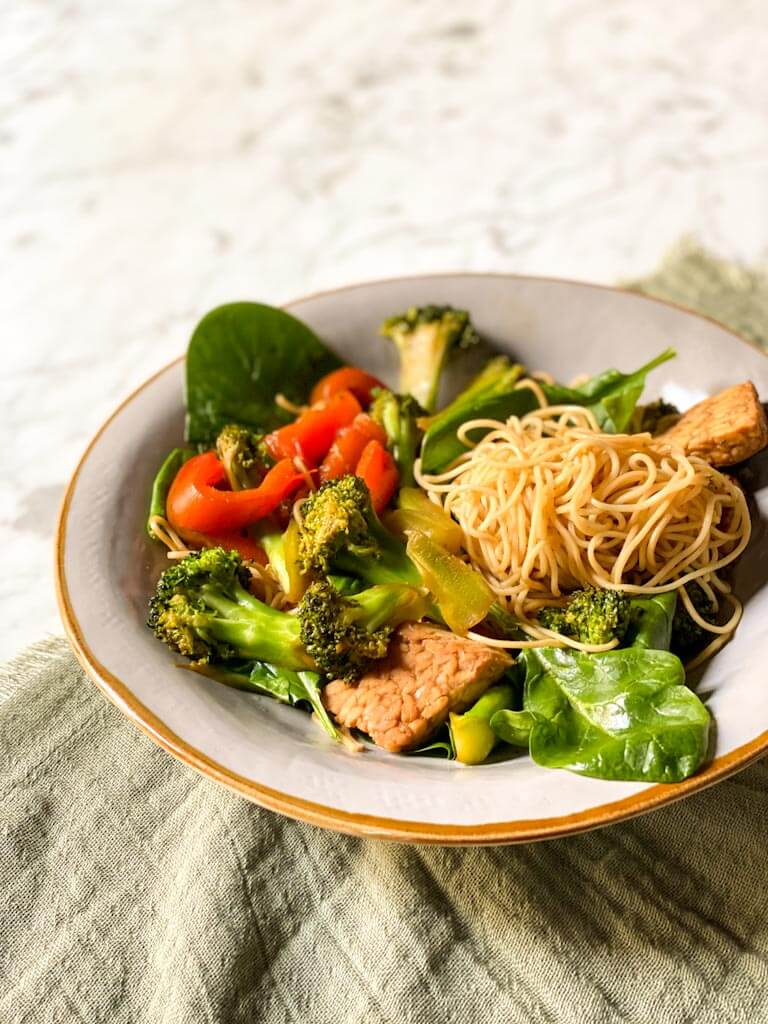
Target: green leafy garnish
[(239, 357)]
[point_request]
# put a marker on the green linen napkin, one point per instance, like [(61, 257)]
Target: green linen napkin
[(133, 890)]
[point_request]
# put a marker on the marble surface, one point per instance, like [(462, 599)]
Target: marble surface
[(157, 158)]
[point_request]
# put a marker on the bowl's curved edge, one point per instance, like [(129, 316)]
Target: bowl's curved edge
[(369, 826)]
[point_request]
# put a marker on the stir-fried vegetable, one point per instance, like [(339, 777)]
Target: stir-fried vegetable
[(611, 396), (349, 444), (164, 477), (239, 358), (425, 337), (621, 714), (377, 469), (343, 634), (341, 533), (398, 415), (462, 594), (243, 456), (490, 395), (203, 609), (348, 378), (591, 616), (311, 435), (282, 550), (688, 638), (472, 737), (282, 684), (416, 512), (196, 502)]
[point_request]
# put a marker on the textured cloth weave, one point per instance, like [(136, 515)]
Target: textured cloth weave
[(133, 890)]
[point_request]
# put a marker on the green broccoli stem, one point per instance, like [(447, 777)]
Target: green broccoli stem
[(398, 415), (504, 623), (422, 362), (387, 605), (392, 567), (425, 336), (254, 629), (391, 564)]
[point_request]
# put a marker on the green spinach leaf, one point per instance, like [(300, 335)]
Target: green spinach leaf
[(650, 621), (283, 684), (492, 392), (611, 396), (622, 714), (291, 687), (240, 356)]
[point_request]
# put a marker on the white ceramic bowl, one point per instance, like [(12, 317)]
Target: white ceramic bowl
[(275, 755)]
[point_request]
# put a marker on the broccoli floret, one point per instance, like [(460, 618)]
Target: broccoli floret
[(242, 454), (397, 415), (426, 336), (654, 418), (688, 638), (591, 616), (202, 609), (343, 634), (341, 533)]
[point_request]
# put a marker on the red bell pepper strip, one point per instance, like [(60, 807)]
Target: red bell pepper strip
[(377, 468), (349, 445), (348, 378), (196, 503), (311, 435)]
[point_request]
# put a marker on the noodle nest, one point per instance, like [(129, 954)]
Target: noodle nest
[(548, 504)]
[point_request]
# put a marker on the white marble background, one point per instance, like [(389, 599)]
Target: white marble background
[(159, 157)]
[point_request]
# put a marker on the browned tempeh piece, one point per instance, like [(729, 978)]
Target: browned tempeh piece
[(402, 699), (724, 429)]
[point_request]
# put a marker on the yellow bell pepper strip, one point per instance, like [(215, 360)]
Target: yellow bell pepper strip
[(461, 593), (282, 551), (416, 512)]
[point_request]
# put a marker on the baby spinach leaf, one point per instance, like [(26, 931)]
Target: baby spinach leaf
[(240, 356), (291, 687), (650, 621), (611, 396), (283, 684), (622, 714)]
